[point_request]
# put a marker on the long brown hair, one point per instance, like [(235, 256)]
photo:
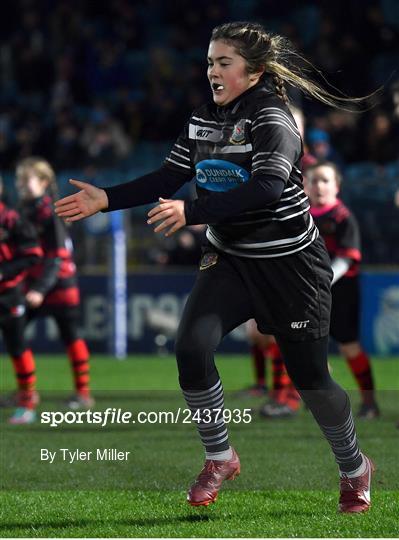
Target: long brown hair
[(275, 55)]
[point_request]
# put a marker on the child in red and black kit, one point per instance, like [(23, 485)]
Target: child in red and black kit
[(51, 287), (283, 399), (19, 250), (340, 231)]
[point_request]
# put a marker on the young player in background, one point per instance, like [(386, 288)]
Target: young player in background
[(340, 231), (283, 400), (19, 250), (51, 287)]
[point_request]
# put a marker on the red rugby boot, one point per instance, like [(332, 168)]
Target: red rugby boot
[(355, 492), (205, 489)]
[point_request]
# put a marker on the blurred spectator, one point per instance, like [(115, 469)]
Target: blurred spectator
[(379, 139), (126, 55), (342, 126), (183, 250), (104, 139), (320, 146), (64, 141)]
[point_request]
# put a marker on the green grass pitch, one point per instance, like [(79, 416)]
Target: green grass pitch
[(287, 488)]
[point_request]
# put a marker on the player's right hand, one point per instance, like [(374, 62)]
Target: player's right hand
[(86, 202)]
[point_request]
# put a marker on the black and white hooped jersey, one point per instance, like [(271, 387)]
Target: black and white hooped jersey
[(223, 147)]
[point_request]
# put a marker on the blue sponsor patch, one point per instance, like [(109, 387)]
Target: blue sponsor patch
[(219, 175)]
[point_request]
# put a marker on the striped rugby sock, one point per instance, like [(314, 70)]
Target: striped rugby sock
[(343, 442), (79, 357), (357, 472), (220, 456), (25, 371), (361, 369), (280, 376), (207, 409), (259, 364)]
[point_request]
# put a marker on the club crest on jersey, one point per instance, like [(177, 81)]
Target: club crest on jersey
[(238, 135), (208, 259)]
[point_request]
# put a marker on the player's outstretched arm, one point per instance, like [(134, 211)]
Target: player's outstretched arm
[(86, 202)]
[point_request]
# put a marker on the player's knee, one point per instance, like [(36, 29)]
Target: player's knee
[(191, 349), (198, 380), (16, 348), (194, 357), (198, 340), (312, 381)]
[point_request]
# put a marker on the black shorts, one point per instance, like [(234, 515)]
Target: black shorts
[(55, 311), (13, 321), (345, 310), (66, 318), (289, 296)]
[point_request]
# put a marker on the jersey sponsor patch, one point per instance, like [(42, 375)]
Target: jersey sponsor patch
[(201, 133), (219, 175), (208, 259)]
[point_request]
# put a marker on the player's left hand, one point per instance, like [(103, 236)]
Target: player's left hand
[(34, 299), (172, 214)]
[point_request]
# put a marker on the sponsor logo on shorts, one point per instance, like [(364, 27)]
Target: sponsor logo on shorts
[(209, 259), (297, 325)]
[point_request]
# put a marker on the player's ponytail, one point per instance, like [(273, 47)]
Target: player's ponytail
[(276, 56)]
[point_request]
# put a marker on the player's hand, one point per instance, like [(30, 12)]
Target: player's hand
[(171, 213), (34, 299), (86, 202)]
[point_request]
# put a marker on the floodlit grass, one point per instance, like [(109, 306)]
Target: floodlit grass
[(163, 514), (287, 488)]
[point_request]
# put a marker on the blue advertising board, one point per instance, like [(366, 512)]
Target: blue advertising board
[(155, 302), (147, 294), (380, 312)]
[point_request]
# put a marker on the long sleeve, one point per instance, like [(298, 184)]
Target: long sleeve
[(164, 182), (257, 193), (53, 241), (27, 253), (146, 189), (49, 276), (339, 266), (9, 269)]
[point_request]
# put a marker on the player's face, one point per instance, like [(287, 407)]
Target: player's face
[(322, 187), (227, 73), (30, 186)]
